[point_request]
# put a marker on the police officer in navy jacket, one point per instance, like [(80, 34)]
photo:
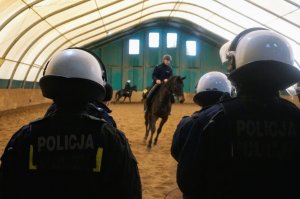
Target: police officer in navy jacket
[(69, 153), (160, 75), (248, 146), (211, 88)]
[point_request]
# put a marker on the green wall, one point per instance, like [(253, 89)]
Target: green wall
[(121, 66)]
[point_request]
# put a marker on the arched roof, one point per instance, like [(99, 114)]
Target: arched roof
[(32, 30)]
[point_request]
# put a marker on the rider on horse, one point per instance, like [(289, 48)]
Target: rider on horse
[(160, 74), (127, 86)]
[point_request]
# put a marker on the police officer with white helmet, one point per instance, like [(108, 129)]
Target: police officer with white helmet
[(69, 153), (249, 148), (211, 88)]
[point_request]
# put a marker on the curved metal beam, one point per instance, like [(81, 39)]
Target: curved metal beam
[(18, 13), (264, 25), (155, 12), (158, 4), (45, 32), (37, 22), (273, 13)]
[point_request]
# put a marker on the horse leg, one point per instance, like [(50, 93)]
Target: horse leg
[(162, 122), (124, 98), (153, 129), (147, 127)]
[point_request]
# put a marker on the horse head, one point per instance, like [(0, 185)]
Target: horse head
[(134, 88), (176, 87)]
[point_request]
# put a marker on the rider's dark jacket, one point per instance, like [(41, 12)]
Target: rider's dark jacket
[(69, 155), (127, 87), (247, 147), (162, 72)]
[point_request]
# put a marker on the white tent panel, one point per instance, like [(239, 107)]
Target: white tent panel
[(120, 21), (78, 32), (231, 15), (286, 29), (205, 24), (296, 1), (25, 41), (32, 74), (225, 24), (9, 7), (89, 40), (78, 22), (39, 45), (6, 69), (196, 9), (249, 10), (72, 13), (46, 7), (294, 17), (39, 76), (101, 3), (15, 27), (21, 72), (43, 57), (118, 15), (118, 6), (279, 7), (158, 8), (155, 15), (87, 35)]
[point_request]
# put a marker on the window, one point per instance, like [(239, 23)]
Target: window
[(153, 39), (134, 46), (171, 40), (191, 48)]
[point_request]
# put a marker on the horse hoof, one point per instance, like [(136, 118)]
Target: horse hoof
[(144, 141), (149, 146)]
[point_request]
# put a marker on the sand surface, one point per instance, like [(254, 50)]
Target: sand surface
[(157, 167)]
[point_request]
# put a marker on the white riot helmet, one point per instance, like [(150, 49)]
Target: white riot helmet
[(73, 74), (211, 87), (261, 58)]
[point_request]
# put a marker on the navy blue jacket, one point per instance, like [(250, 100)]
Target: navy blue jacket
[(101, 111), (182, 133), (162, 72), (96, 109), (69, 155), (243, 149)]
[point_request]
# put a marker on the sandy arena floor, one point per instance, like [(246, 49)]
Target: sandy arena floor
[(157, 167)]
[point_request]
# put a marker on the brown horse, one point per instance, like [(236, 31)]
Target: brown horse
[(123, 93), (160, 106)]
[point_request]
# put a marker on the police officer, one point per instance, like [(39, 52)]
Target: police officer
[(127, 86), (211, 87), (249, 146), (70, 154), (160, 74)]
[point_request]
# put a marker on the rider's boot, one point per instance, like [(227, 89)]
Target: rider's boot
[(149, 97)]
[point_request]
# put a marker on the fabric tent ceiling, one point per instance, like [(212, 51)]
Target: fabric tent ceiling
[(32, 30)]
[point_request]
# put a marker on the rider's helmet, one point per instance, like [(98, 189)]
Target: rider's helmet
[(211, 87), (167, 57), (73, 75)]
